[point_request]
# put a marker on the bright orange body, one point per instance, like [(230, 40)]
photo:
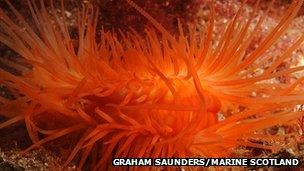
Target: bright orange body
[(146, 96)]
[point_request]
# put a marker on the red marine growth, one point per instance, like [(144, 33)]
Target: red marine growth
[(157, 95)]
